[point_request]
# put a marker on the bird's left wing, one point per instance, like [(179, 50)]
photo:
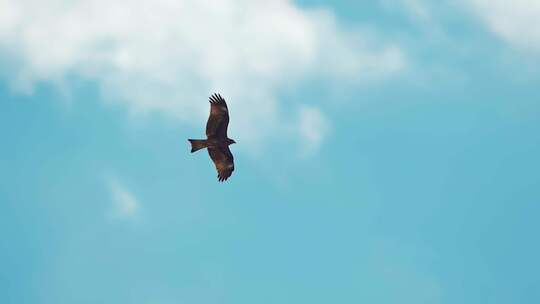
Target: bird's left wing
[(224, 161), (218, 121)]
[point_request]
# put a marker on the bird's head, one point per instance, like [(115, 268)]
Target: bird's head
[(231, 141)]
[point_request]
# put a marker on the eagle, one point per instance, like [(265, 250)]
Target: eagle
[(216, 140)]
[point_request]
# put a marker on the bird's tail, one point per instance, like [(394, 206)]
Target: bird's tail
[(197, 144)]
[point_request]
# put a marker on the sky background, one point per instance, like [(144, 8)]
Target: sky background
[(388, 152)]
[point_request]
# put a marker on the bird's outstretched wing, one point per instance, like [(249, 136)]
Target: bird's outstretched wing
[(224, 161), (217, 124)]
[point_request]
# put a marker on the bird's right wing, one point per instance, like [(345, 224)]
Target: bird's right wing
[(224, 161), (217, 124)]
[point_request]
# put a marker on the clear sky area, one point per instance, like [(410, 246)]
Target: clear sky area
[(387, 152)]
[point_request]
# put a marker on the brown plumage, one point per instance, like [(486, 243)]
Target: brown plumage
[(216, 140)]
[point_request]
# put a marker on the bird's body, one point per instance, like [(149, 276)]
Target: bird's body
[(216, 140)]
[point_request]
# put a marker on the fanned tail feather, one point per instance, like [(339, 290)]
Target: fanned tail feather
[(197, 144)]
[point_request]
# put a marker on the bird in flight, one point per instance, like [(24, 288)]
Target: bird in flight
[(216, 140)]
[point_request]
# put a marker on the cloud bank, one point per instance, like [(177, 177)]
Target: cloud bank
[(167, 56)]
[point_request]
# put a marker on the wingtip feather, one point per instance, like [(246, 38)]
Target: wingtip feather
[(216, 98)]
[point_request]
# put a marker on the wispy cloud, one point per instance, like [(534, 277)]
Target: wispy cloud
[(124, 204), (517, 22), (167, 56), (313, 127), (416, 8)]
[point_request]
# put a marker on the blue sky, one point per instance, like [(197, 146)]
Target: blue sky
[(387, 152)]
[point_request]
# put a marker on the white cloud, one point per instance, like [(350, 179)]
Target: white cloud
[(313, 127), (125, 204), (516, 21), (167, 56)]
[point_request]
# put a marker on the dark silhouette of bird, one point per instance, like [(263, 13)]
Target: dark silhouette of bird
[(216, 140)]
